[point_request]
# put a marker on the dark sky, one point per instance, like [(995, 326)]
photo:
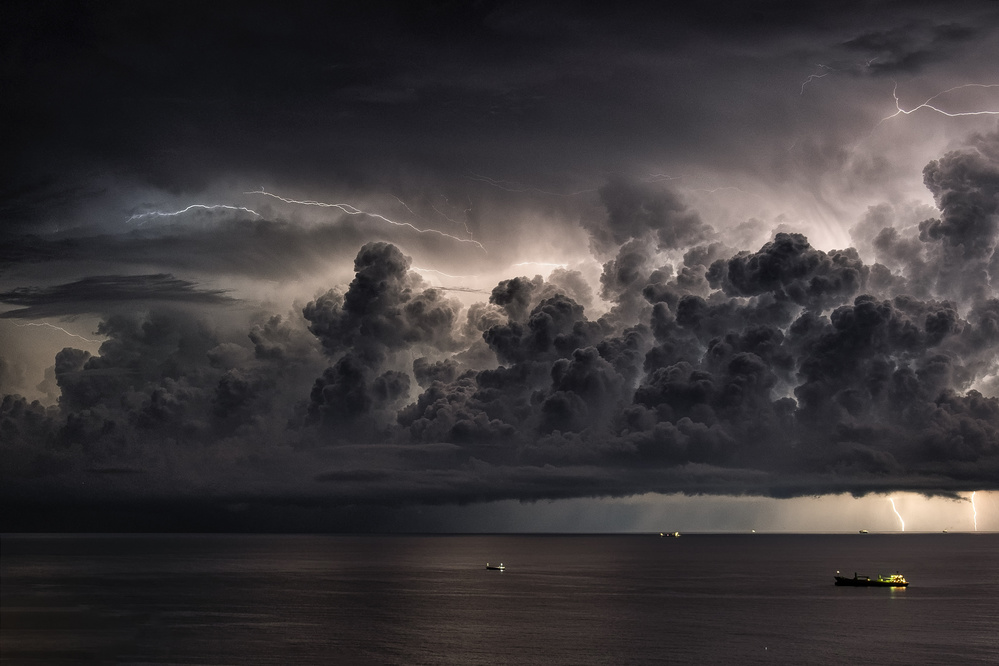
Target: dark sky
[(347, 266)]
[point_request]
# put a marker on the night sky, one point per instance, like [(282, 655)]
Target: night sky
[(466, 265)]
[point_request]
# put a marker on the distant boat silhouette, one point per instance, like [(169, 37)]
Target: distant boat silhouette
[(496, 567), (894, 580), (669, 534), (864, 532)]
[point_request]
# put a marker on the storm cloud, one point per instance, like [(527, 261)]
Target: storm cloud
[(604, 317)]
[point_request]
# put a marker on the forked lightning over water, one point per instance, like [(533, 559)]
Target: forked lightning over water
[(974, 511), (892, 500)]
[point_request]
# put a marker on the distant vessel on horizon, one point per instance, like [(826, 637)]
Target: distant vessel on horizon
[(864, 532), (669, 534), (894, 580), (495, 567)]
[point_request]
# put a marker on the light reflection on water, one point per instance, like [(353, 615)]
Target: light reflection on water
[(562, 600)]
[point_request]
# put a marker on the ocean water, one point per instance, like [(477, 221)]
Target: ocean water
[(609, 599)]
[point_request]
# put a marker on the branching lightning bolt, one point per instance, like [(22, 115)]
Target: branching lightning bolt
[(974, 510), (448, 218), (58, 329), (353, 210), (812, 77), (436, 210), (844, 67), (156, 213), (931, 107), (892, 500)]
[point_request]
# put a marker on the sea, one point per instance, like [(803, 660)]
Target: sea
[(562, 599)]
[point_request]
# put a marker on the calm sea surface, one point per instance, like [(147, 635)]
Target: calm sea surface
[(620, 599)]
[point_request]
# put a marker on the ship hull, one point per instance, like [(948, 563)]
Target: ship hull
[(867, 582)]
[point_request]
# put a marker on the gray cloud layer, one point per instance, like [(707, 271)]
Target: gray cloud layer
[(786, 370), (699, 361)]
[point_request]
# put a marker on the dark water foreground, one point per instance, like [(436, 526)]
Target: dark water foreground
[(621, 599)]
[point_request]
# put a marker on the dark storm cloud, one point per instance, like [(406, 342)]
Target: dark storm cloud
[(965, 186), (175, 98), (910, 48), (789, 268), (949, 253), (384, 309), (212, 243), (101, 293), (635, 210), (787, 376), (695, 362)]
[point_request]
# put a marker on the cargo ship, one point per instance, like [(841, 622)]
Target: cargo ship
[(894, 580)]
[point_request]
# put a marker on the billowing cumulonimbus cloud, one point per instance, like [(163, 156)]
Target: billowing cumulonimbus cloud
[(788, 267), (965, 185), (780, 370), (385, 309), (640, 211)]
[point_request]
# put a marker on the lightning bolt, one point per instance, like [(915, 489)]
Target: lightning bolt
[(812, 77), (892, 500), (845, 67), (439, 212), (974, 510), (404, 205), (353, 210), (445, 216), (140, 216), (927, 105), (434, 270), (448, 218), (58, 329)]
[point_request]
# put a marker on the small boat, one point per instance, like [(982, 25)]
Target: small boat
[(864, 532), (894, 580), (669, 534), (495, 567)]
